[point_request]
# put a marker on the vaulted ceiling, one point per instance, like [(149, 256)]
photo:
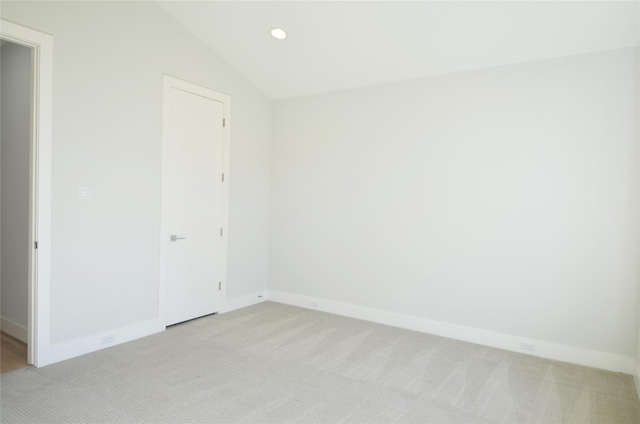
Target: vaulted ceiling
[(335, 45)]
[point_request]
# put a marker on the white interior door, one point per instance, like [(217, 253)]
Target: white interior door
[(195, 166)]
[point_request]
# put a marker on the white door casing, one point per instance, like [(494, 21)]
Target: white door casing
[(39, 306), (194, 200)]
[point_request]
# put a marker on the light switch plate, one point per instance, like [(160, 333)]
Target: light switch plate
[(85, 193)]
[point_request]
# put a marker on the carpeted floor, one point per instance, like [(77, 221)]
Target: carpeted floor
[(273, 363)]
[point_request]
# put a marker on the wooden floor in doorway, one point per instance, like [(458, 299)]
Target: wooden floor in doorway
[(13, 353)]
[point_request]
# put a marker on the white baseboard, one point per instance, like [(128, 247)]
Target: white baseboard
[(572, 354), (67, 350), (71, 349), (14, 329), (243, 301), (636, 378)]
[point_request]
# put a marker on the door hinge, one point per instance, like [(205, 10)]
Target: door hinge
[(224, 122), (219, 285), (35, 243), (222, 177)]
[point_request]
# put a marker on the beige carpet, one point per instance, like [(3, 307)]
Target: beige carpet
[(275, 363)]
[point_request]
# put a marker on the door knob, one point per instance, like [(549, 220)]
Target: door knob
[(175, 237)]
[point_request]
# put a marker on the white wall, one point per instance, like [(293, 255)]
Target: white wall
[(503, 199), (109, 58), (15, 73)]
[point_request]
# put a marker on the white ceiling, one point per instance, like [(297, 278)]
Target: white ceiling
[(339, 45)]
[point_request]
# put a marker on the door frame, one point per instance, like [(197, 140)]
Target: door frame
[(39, 259), (170, 83)]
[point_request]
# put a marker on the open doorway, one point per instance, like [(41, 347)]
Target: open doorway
[(36, 251), (16, 96)]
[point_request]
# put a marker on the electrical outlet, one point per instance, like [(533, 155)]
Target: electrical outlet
[(527, 345), (105, 340), (314, 303)]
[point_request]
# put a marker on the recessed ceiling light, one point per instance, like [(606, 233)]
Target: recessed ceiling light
[(279, 33)]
